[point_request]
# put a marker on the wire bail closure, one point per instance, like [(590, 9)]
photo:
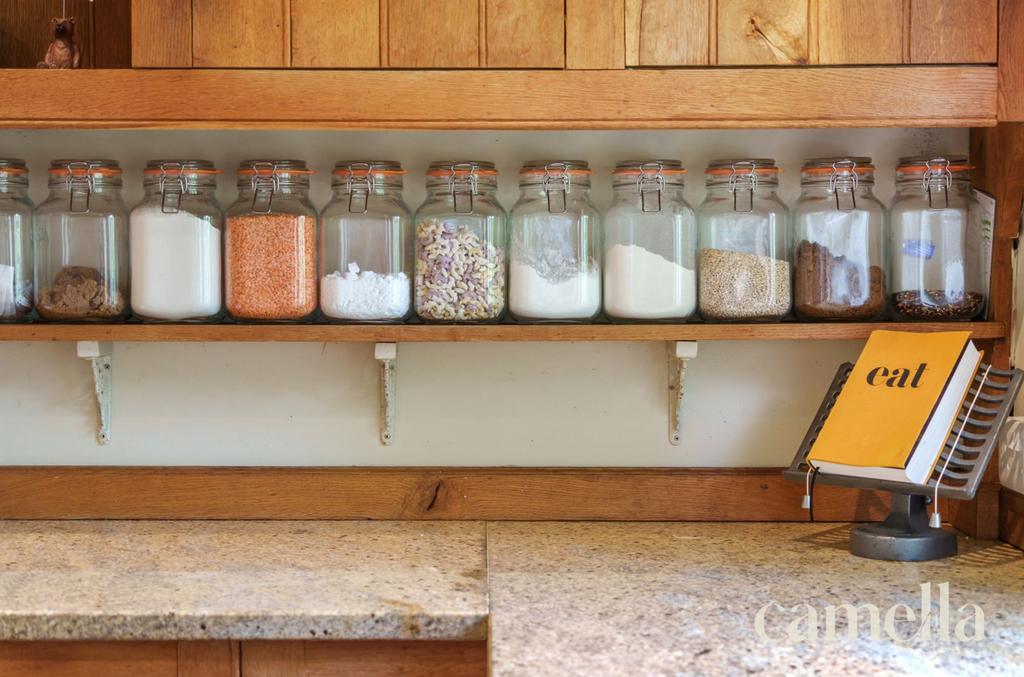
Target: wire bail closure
[(81, 186), (359, 189), (846, 183), (650, 183), (743, 181), (470, 182), (264, 187), (937, 176), (549, 186), (170, 200)]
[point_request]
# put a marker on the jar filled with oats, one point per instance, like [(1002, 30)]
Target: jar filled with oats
[(270, 237), (81, 248), (937, 261), (461, 241), (743, 264), (15, 242)]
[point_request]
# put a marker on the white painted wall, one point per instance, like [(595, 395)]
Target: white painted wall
[(747, 404)]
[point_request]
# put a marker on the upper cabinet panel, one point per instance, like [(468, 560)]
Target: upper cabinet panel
[(861, 31), (525, 33), (335, 33), (595, 34), (241, 34), (432, 34), (763, 32), (954, 31), (668, 32)]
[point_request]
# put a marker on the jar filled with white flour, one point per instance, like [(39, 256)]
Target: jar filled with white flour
[(555, 270), (366, 245), (650, 244), (175, 244)]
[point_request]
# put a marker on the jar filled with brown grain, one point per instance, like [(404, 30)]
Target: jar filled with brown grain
[(270, 237), (838, 235)]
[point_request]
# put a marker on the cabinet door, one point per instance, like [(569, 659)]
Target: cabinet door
[(668, 32), (335, 33), (364, 658), (171, 20), (762, 32), (432, 34), (241, 34), (861, 31), (953, 31), (525, 33), (595, 34)]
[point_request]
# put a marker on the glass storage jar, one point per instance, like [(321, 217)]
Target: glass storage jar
[(936, 267), (838, 235), (366, 245), (650, 243), (176, 243), (81, 244), (16, 263), (270, 237), (743, 265), (554, 260), (461, 245)]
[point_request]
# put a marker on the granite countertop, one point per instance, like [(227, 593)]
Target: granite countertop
[(242, 580), (577, 598)]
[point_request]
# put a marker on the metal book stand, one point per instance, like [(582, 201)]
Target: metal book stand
[(905, 534)]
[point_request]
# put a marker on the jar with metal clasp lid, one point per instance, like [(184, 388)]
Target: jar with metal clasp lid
[(270, 238), (936, 260), (743, 263), (81, 244), (838, 240), (461, 245), (554, 262), (366, 248), (650, 244), (176, 243), (16, 264)]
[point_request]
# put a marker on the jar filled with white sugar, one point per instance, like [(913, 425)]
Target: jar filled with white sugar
[(650, 243), (554, 263), (175, 244), (743, 263), (461, 244), (366, 245)]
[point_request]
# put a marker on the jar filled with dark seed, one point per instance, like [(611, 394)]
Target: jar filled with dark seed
[(936, 258)]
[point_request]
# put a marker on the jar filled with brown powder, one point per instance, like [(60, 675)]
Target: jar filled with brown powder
[(270, 240), (838, 227)]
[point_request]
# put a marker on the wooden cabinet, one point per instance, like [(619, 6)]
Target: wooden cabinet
[(524, 33), (595, 34), (365, 658), (762, 32), (953, 31), (668, 32), (335, 33), (119, 659), (860, 31), (236, 34), (431, 34)]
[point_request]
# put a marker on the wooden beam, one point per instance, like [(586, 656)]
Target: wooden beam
[(642, 494), (500, 99)]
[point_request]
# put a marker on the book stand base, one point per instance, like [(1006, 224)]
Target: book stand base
[(904, 535)]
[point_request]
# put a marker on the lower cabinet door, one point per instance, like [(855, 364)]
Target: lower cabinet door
[(363, 658)]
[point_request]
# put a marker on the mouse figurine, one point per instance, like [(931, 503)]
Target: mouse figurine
[(62, 52)]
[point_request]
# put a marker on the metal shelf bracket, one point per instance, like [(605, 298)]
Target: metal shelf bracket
[(387, 355), (679, 353), (100, 355)]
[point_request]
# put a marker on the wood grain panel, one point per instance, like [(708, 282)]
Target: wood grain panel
[(26, 31), (595, 34), (335, 33), (725, 494), (525, 33), (668, 32), (953, 31), (763, 32), (241, 34), (860, 31), (209, 659), (672, 98), (431, 34), (1011, 517), (111, 34), (1011, 60), (365, 658), (161, 34), (90, 659)]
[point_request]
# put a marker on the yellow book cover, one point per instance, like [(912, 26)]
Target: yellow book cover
[(891, 396)]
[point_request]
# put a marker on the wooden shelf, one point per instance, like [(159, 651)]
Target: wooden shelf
[(322, 333), (881, 96)]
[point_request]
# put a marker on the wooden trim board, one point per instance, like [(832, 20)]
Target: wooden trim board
[(503, 99), (323, 333), (640, 494)]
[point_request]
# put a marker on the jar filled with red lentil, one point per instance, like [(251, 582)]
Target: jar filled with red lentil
[(270, 237)]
